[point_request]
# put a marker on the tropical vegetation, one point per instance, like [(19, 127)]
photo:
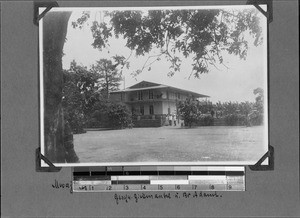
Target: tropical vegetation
[(204, 113)]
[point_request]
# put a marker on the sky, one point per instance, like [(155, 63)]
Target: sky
[(235, 83)]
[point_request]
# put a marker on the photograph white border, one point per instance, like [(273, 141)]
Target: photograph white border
[(200, 163)]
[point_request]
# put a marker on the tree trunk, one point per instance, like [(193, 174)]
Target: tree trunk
[(54, 34)]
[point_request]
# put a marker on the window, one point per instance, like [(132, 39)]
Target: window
[(142, 110), (178, 95), (150, 94), (169, 110), (151, 110), (140, 95)]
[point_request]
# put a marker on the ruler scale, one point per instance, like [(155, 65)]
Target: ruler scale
[(158, 178)]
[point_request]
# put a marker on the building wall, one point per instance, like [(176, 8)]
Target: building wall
[(174, 95), (166, 105), (164, 94), (160, 107), (146, 109), (157, 107), (183, 97), (133, 96), (157, 94)]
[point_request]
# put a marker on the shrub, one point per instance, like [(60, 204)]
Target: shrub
[(205, 120), (230, 119), (235, 119), (119, 116), (109, 115), (242, 119), (94, 123), (98, 119), (256, 118), (189, 111)]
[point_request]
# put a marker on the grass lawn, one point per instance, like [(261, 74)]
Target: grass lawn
[(167, 144)]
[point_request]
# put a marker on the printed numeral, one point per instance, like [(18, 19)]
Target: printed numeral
[(83, 187)]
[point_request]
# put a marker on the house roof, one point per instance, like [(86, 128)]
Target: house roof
[(145, 85)]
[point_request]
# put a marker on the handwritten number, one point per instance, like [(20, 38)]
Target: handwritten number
[(126, 187), (177, 187), (109, 187), (194, 186), (160, 187)]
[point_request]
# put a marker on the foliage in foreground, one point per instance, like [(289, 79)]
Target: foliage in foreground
[(203, 35)]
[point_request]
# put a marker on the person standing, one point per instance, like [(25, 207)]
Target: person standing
[(174, 119), (169, 120), (212, 113)]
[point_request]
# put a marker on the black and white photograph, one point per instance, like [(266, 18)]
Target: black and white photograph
[(149, 108), (153, 85)]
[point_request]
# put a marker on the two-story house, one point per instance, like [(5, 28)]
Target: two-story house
[(151, 103)]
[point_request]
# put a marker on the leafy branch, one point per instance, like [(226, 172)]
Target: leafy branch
[(203, 34)]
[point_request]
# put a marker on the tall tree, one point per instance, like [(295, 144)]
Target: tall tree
[(54, 33), (80, 94), (108, 76)]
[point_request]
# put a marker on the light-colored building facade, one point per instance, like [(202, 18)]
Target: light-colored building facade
[(152, 101)]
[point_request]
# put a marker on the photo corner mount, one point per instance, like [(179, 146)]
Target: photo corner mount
[(259, 167), (39, 157), (268, 13), (38, 4)]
